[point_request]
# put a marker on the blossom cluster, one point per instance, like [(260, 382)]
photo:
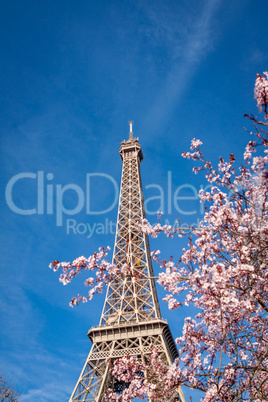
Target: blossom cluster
[(145, 377), (103, 273), (261, 92)]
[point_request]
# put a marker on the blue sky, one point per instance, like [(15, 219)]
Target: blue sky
[(72, 75)]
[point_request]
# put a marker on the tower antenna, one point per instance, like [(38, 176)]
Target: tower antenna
[(130, 130)]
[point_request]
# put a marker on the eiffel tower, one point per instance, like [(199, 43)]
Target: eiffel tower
[(131, 320)]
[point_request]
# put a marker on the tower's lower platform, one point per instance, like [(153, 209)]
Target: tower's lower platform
[(116, 341)]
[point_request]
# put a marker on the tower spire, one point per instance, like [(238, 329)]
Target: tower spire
[(130, 130), (131, 320)]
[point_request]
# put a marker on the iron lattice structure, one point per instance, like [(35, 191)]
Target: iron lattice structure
[(131, 320)]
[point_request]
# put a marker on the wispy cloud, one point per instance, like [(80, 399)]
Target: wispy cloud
[(187, 47), (48, 392)]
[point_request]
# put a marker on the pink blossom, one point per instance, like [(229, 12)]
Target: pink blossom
[(261, 92), (195, 143)]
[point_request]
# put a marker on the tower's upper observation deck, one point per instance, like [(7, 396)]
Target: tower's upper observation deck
[(131, 145)]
